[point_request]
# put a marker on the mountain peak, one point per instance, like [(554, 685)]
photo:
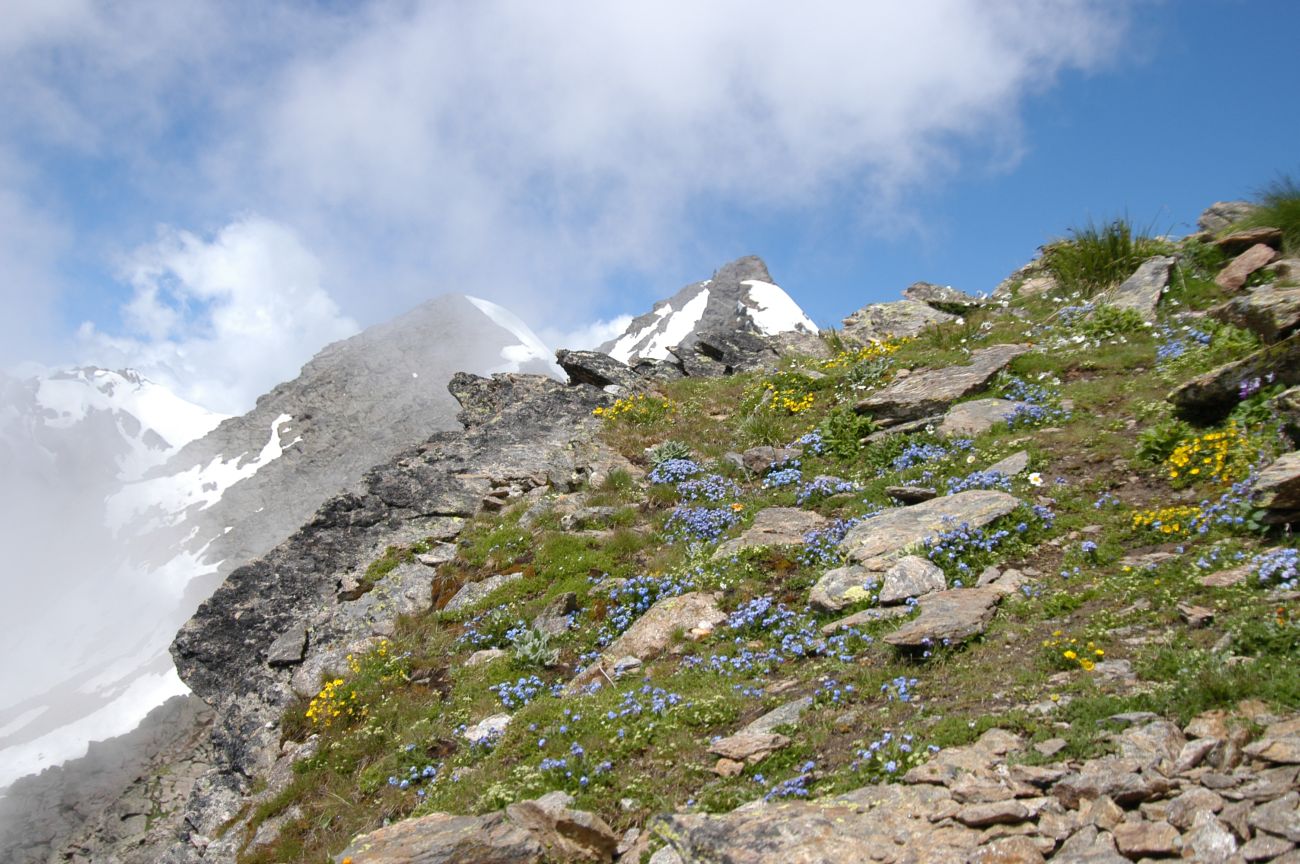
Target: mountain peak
[(740, 296)]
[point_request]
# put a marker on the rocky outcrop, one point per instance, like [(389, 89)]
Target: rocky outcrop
[(1277, 489), (522, 433), (879, 321), (774, 526), (945, 298), (977, 416), (653, 633), (931, 390), (596, 369), (1212, 396), (1222, 214)]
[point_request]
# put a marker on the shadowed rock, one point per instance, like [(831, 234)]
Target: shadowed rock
[(1141, 292), (1232, 277), (880, 321), (1210, 397), (1273, 313)]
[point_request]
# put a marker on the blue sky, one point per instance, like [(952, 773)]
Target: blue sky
[(211, 191)]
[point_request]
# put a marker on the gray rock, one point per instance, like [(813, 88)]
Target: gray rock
[(1287, 406), (475, 592), (1233, 276), (1273, 313), (487, 729), (976, 417), (911, 494), (947, 617), (945, 298), (1141, 292), (759, 460), (785, 715), (929, 391), (566, 834), (652, 633), (1089, 846), (587, 518), (1005, 812), (1212, 396), (556, 618), (1265, 847), (1222, 214), (864, 617), (1210, 841), (486, 655), (889, 534), (910, 577), (441, 553), (880, 321), (1137, 839), (773, 526), (1010, 466), (1278, 486), (1280, 817), (746, 746), (597, 369), (289, 648)]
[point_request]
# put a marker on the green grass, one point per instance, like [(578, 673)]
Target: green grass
[(1097, 257), (1279, 207)]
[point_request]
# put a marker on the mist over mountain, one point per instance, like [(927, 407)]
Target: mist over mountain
[(128, 505)]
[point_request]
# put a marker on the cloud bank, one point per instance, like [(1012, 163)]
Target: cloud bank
[(533, 154)]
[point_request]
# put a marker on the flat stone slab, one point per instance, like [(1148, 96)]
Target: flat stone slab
[(775, 526), (948, 617), (785, 715), (976, 417), (945, 298), (931, 390), (1239, 241), (890, 533), (751, 747), (1141, 292), (1273, 313), (1010, 466), (866, 616), (290, 648), (879, 321), (912, 576), (1232, 277)]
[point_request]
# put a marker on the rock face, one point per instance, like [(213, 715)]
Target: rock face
[(945, 298), (879, 321), (1141, 292), (1211, 396), (948, 617), (740, 298), (1273, 313), (930, 391), (522, 432), (596, 369)]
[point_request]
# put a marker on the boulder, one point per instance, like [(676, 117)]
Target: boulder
[(596, 369), (947, 617), (945, 298), (290, 648), (751, 747), (911, 494), (1222, 214), (864, 617), (1287, 406), (1232, 277), (1011, 465), (444, 837), (784, 715), (565, 834), (1273, 313), (775, 526), (911, 577), (487, 729), (557, 617), (652, 633), (1141, 292), (1278, 485), (931, 390), (976, 417), (880, 321), (1210, 397), (757, 460)]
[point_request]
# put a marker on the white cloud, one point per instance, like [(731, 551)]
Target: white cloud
[(223, 320), (587, 336)]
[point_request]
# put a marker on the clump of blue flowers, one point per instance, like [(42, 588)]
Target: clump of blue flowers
[(823, 486), (673, 471), (782, 477), (1277, 568), (518, 693), (630, 600), (821, 547), (710, 487), (978, 480), (699, 524)]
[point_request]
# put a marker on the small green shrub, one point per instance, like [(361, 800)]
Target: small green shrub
[(1156, 443), (843, 430), (661, 453), (532, 647)]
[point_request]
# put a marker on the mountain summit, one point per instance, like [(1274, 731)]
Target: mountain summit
[(740, 296)]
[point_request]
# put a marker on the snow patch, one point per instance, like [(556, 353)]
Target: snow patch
[(666, 332), (774, 311), (529, 349), (167, 498), (22, 720)]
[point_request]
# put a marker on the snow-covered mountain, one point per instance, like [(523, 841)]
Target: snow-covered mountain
[(740, 296), (160, 499)]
